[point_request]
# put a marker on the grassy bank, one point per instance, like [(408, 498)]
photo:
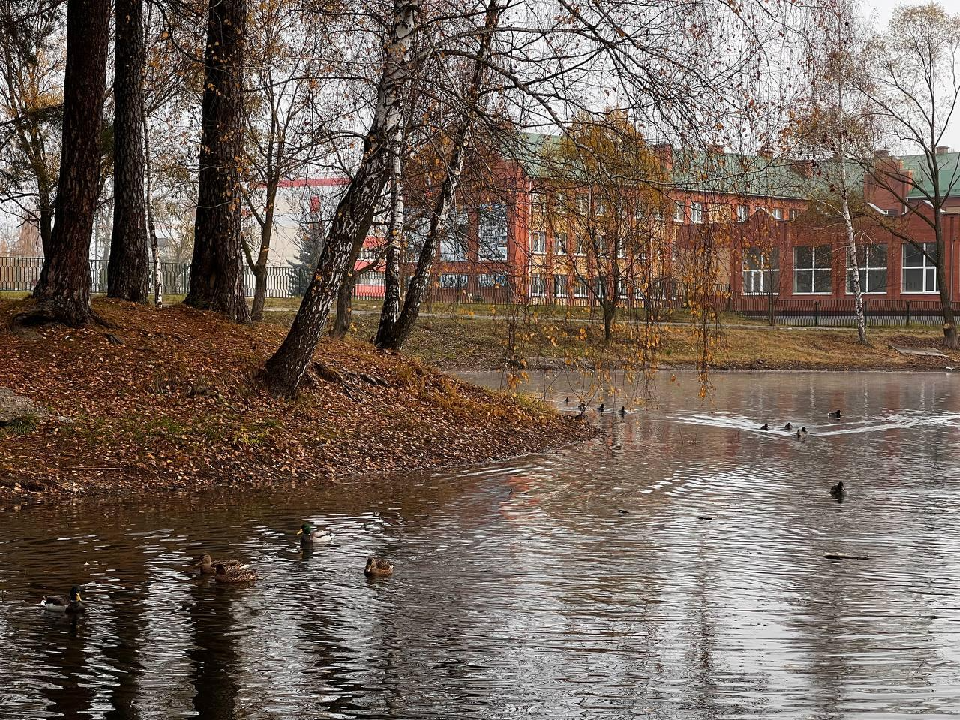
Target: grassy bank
[(479, 342), (171, 400)]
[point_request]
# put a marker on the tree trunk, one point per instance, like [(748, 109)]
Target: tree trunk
[(63, 291), (46, 219), (128, 275), (391, 273), (216, 274), (259, 268), (151, 227), (354, 213), (341, 323), (946, 304), (609, 313), (394, 337)]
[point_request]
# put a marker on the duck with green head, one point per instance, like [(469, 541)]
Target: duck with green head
[(309, 535), (71, 605)]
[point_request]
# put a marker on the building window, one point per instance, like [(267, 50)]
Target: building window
[(919, 271), (492, 231), (580, 288), (601, 288), (560, 286), (794, 213), (622, 288), (812, 269), (621, 247), (679, 209), (583, 205), (538, 242), (538, 205), (761, 271), (491, 280), (453, 281), (778, 213), (696, 213), (743, 213), (581, 246), (538, 286), (872, 264), (560, 244)]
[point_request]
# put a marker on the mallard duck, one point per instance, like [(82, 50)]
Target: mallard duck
[(234, 573), (60, 604), (378, 567), (835, 414), (310, 535), (582, 407), (765, 426), (788, 426), (838, 491), (206, 565)]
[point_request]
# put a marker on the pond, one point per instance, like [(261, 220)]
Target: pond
[(673, 568)]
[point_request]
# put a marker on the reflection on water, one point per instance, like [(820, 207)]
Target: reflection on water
[(673, 568)]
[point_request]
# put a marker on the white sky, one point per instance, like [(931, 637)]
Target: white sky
[(879, 12)]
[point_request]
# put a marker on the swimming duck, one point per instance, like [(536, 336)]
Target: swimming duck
[(623, 410), (234, 573), (834, 414), (60, 604), (602, 408), (788, 426), (566, 401), (838, 491), (206, 565), (582, 407), (310, 535), (765, 426), (378, 567)]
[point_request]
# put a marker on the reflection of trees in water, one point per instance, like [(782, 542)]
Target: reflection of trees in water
[(124, 651), (213, 654)]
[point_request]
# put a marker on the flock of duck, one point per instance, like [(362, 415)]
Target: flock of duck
[(837, 491), (230, 572), (601, 408)]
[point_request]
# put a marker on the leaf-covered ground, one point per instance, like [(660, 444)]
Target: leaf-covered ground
[(171, 400)]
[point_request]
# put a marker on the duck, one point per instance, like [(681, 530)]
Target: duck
[(788, 426), (70, 605), (582, 407), (232, 574), (765, 426), (602, 408), (378, 567), (310, 535), (206, 565), (838, 491), (566, 401), (835, 414)]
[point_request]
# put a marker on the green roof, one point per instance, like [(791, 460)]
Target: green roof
[(756, 175)]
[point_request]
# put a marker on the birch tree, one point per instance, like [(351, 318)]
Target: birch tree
[(355, 211), (915, 71)]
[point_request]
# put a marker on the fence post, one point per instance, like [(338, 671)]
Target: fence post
[(816, 313), (908, 313)]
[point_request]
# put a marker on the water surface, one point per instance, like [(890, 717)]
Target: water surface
[(673, 568)]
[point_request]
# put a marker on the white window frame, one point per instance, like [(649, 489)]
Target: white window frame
[(867, 267), (581, 288), (777, 213), (768, 269), (538, 242), (926, 267), (814, 269), (560, 243), (696, 213), (679, 211), (581, 247), (560, 286), (538, 286), (743, 213)]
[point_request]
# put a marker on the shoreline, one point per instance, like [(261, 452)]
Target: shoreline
[(169, 402)]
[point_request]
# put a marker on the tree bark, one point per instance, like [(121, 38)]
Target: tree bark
[(128, 276), (354, 213), (63, 291), (259, 267), (216, 274), (391, 273)]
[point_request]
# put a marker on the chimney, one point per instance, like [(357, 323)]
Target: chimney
[(803, 168), (943, 149), (664, 151)]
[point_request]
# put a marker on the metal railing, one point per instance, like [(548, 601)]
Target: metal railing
[(838, 312)]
